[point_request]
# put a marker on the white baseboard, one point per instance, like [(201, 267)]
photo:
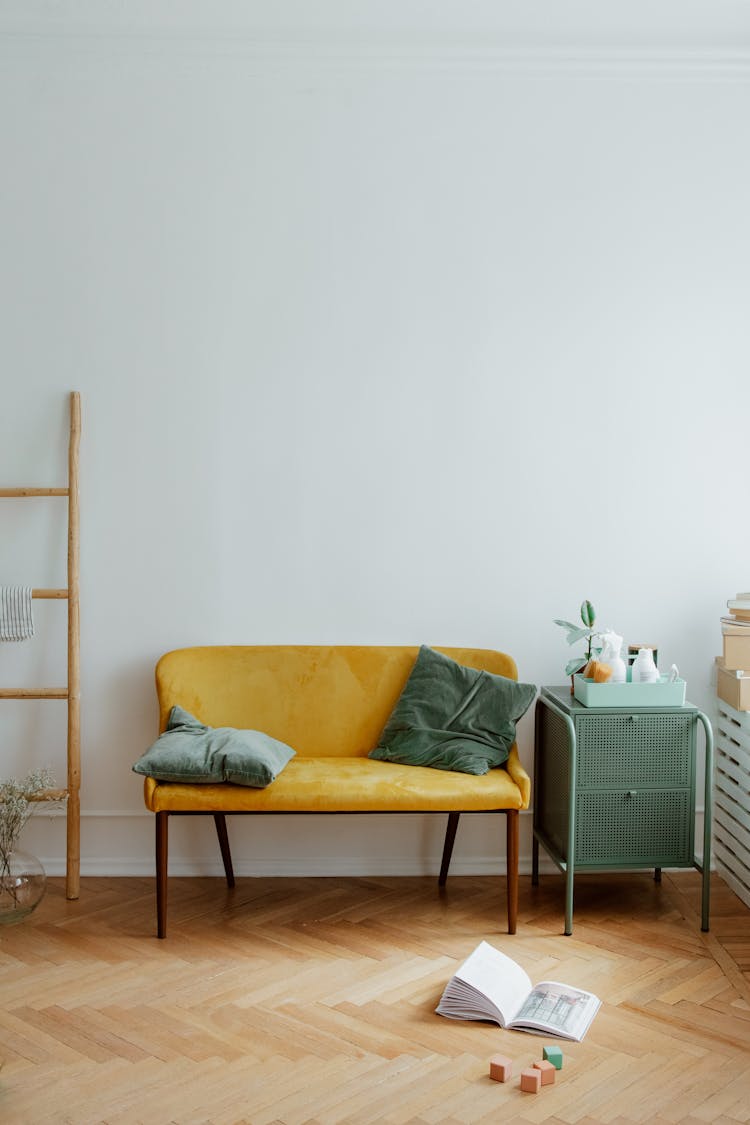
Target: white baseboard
[(122, 844), (309, 867)]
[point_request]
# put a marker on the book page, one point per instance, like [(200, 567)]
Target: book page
[(558, 1009), (490, 974)]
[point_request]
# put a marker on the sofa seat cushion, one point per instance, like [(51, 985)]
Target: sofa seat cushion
[(348, 785)]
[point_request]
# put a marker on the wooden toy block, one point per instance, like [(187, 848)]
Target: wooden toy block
[(553, 1055), (531, 1080), (547, 1071), (501, 1068)]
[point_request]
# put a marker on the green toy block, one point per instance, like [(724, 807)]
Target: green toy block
[(553, 1055)]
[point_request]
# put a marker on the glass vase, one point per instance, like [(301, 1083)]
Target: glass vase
[(22, 885)]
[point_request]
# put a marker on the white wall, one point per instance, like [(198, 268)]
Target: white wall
[(392, 323)]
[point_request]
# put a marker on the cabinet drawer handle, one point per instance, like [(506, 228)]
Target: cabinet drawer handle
[(634, 718), (632, 792)]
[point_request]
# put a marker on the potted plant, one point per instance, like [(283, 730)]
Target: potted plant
[(576, 633), (22, 877)]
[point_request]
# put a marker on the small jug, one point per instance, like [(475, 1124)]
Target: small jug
[(644, 669)]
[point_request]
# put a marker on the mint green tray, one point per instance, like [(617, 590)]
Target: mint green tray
[(660, 694)]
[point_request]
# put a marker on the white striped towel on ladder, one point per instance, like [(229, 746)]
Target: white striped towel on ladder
[(16, 618)]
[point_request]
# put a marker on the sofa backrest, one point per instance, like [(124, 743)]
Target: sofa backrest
[(322, 700)]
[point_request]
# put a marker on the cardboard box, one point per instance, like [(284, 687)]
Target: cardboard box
[(737, 651), (733, 687), (732, 626)]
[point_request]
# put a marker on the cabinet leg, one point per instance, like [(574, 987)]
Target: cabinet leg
[(569, 900), (705, 899), (657, 874), (535, 862)]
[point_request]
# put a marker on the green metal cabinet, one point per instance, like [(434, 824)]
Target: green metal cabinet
[(615, 789)]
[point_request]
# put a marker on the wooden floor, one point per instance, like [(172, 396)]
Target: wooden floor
[(311, 1002)]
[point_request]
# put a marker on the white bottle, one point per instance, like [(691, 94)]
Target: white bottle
[(610, 654), (644, 669)]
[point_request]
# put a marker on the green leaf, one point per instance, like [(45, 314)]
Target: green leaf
[(588, 615), (574, 666), (578, 635), (565, 624)]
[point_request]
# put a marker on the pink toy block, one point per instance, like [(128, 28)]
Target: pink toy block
[(547, 1071), (501, 1068), (531, 1080)]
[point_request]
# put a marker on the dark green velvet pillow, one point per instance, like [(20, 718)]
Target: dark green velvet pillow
[(453, 718), (189, 751)]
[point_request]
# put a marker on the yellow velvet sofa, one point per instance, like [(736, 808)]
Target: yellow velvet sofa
[(330, 704)]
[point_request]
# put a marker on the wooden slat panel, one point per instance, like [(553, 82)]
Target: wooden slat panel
[(734, 739), (730, 715), (725, 796), (732, 799)]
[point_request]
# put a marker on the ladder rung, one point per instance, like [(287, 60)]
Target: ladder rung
[(34, 491), (49, 593), (34, 693), (50, 795)]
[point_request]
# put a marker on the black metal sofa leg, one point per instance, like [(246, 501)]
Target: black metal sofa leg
[(162, 850), (450, 836), (511, 851), (220, 821)]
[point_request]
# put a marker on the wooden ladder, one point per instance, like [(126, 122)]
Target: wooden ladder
[(72, 693)]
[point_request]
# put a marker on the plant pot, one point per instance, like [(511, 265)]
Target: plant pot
[(22, 885)]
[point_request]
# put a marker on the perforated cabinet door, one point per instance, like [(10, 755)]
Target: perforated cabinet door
[(635, 749), (635, 828)]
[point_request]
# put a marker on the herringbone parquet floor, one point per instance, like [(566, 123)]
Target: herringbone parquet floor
[(311, 1002)]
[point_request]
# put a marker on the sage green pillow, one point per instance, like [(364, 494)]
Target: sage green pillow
[(190, 751), (452, 717)]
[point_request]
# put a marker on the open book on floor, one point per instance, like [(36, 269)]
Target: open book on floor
[(490, 986)]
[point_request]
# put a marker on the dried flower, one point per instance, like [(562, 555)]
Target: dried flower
[(16, 806)]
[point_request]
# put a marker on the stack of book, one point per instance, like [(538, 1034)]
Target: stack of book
[(733, 668)]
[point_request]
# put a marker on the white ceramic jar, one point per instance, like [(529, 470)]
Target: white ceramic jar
[(644, 670)]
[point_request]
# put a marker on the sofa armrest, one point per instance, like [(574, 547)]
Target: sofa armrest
[(519, 775)]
